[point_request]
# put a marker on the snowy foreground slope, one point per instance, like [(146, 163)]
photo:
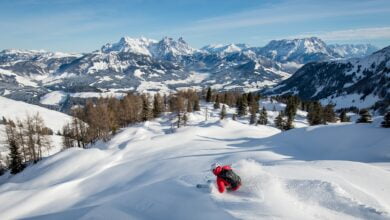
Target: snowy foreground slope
[(337, 171)]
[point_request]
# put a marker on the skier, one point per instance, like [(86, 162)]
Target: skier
[(226, 178)]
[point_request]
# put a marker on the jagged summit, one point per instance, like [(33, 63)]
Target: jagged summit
[(169, 47), (150, 47), (128, 44)]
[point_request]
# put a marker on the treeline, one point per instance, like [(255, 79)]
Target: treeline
[(248, 104), (319, 114), (102, 119), (316, 113), (27, 140)]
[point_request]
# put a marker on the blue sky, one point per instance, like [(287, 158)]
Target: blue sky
[(85, 25)]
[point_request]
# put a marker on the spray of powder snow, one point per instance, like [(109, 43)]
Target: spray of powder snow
[(264, 194)]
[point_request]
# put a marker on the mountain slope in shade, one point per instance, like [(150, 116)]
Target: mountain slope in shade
[(359, 82)]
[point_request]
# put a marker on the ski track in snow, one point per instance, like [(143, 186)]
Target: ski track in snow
[(148, 172)]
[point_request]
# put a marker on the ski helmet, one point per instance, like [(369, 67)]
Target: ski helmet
[(214, 165)]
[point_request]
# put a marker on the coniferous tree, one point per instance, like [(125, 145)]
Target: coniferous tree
[(365, 116), (16, 161), (315, 114), (253, 116), (145, 108), (2, 167), (242, 106), (234, 117), (223, 112), (291, 108), (209, 95), (289, 123), (329, 114), (344, 117), (157, 105), (386, 120), (263, 117), (280, 122)]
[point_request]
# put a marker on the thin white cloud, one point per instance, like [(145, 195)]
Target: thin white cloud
[(285, 12), (350, 34)]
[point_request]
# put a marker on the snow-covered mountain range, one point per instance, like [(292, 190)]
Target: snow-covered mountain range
[(359, 82), (149, 65)]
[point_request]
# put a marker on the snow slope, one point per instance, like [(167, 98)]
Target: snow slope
[(12, 109), (148, 172)]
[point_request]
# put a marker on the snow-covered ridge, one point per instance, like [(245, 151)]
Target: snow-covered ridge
[(14, 110), (297, 50), (305, 50), (20, 53), (128, 44), (150, 47), (353, 50), (224, 49)]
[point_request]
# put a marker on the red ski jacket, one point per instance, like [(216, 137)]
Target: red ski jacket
[(221, 183)]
